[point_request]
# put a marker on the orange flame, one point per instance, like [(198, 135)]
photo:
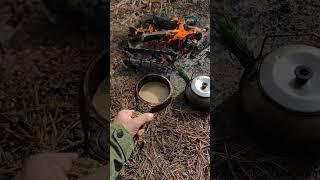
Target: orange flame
[(180, 33), (150, 29)]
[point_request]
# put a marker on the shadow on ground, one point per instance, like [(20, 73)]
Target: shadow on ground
[(240, 153)]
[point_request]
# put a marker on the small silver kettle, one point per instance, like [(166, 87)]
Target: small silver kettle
[(197, 93)]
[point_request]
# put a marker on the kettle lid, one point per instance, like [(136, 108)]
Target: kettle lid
[(290, 76), (201, 86)]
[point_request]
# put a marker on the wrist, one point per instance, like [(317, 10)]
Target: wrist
[(122, 126)]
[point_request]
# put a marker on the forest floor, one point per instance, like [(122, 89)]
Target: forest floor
[(176, 143), (42, 65)]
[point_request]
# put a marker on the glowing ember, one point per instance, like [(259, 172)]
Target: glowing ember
[(141, 29), (138, 30), (151, 28)]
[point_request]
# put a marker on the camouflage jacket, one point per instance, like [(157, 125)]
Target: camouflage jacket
[(121, 147)]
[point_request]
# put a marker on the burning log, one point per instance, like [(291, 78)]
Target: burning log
[(196, 28), (159, 22), (156, 35), (158, 42), (182, 31), (149, 51), (153, 27), (164, 23), (147, 60)]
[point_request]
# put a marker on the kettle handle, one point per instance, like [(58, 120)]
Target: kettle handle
[(283, 35)]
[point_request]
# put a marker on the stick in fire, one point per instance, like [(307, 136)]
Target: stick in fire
[(155, 29)]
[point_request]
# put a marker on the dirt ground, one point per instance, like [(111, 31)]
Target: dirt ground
[(235, 155), (176, 143), (41, 69)]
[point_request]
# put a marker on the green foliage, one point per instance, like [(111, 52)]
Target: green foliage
[(233, 41), (182, 74)]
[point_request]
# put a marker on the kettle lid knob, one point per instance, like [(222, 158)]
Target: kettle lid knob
[(201, 86)]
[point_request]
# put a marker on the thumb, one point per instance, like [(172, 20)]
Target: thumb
[(140, 132), (144, 118)]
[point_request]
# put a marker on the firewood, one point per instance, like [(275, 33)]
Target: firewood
[(165, 23), (155, 35)]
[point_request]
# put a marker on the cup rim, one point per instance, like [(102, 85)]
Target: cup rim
[(141, 83)]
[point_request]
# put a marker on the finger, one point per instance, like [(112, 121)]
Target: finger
[(140, 133), (126, 112), (144, 118)]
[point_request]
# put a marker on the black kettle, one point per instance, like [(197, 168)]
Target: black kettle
[(280, 93), (281, 96), (197, 93)]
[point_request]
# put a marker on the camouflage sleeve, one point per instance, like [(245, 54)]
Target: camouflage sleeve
[(121, 146)]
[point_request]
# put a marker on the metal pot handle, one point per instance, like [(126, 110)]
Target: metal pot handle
[(282, 35)]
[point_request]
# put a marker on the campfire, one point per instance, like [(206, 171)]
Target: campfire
[(168, 31), (158, 42)]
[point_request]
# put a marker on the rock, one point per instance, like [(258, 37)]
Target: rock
[(177, 83)]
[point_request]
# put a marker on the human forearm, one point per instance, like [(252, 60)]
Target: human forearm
[(121, 146)]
